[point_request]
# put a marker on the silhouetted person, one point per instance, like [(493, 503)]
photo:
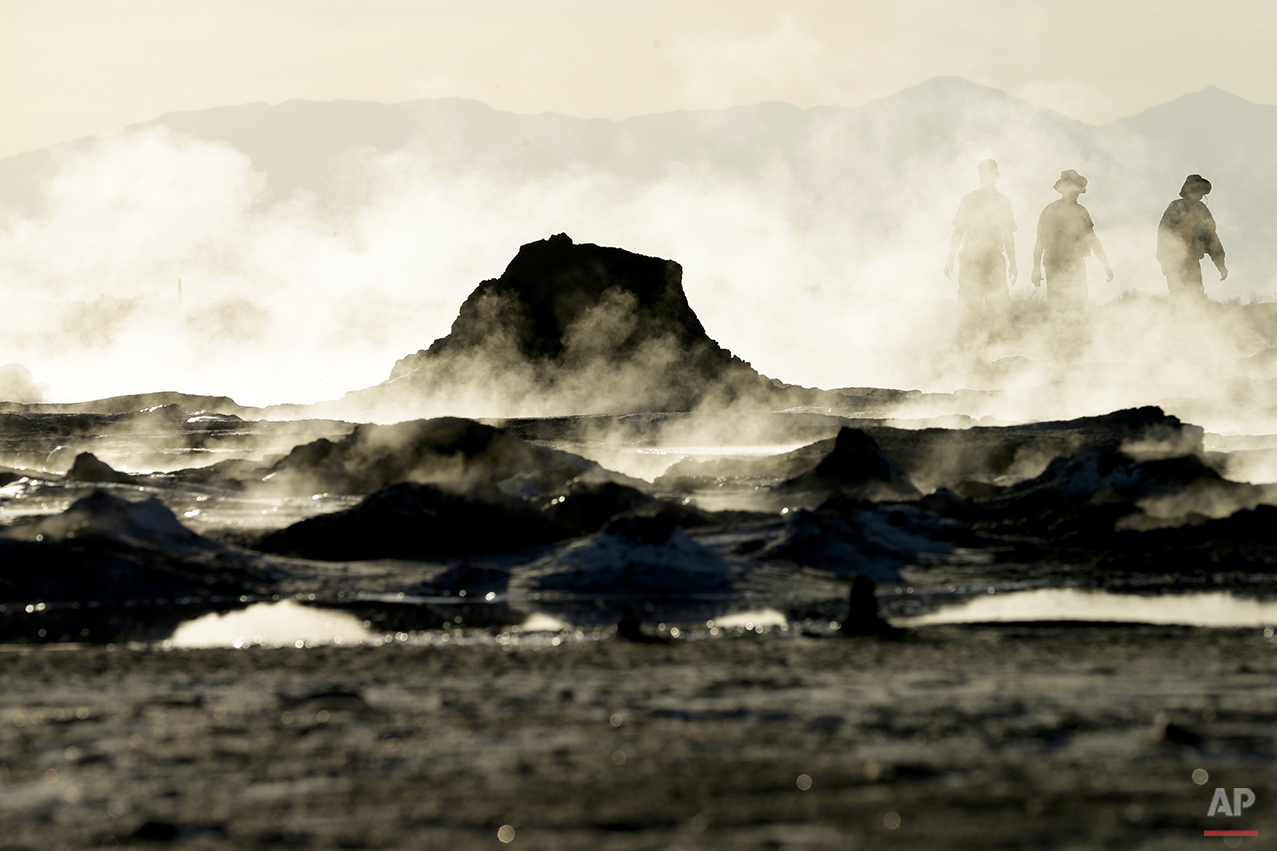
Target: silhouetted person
[(984, 244), (1066, 235), (1185, 235)]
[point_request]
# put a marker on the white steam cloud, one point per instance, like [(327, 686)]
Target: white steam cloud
[(821, 268)]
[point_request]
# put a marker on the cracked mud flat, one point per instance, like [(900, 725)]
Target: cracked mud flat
[(453, 718)]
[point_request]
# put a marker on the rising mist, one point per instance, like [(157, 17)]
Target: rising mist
[(811, 243)]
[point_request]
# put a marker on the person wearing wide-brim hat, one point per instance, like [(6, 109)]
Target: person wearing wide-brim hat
[(1066, 235), (1185, 235)]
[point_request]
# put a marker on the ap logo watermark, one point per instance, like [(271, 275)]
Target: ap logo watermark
[(1242, 798), (1222, 804)]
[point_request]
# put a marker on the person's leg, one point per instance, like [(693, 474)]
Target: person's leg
[(969, 308), (997, 298), (1066, 286), (1066, 300), (1185, 281), (979, 280)]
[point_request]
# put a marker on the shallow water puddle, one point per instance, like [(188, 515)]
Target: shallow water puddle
[(751, 619), (290, 624), (540, 622), (281, 624), (1213, 609)]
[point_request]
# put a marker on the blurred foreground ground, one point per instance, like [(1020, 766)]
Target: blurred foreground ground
[(958, 737)]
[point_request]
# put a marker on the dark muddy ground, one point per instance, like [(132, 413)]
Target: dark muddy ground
[(1067, 736)]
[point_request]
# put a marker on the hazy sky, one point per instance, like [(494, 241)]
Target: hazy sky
[(74, 67)]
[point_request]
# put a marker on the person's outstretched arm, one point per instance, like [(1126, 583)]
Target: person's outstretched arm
[(1214, 247), (954, 242), (1099, 252)]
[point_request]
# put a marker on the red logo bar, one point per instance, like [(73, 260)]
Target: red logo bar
[(1230, 833)]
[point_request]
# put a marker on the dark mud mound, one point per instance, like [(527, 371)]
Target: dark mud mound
[(850, 462), (1104, 509), (848, 536), (1105, 542), (953, 458), (856, 465), (861, 617), (423, 522), (51, 436), (947, 457), (459, 454), (105, 548), (644, 555), (1108, 486), (412, 521), (691, 474), (1104, 476), (101, 515), (88, 469), (581, 329), (1245, 541), (586, 507), (832, 542)]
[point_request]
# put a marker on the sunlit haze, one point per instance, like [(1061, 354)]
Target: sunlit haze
[(294, 249), (591, 424), (74, 67)]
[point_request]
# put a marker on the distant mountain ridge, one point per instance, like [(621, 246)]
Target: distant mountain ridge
[(921, 141), (294, 141)]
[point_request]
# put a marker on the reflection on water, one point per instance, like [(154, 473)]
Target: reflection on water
[(282, 624), (540, 622), (1215, 609), (290, 624), (752, 619)]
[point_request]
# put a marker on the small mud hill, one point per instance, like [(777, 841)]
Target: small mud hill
[(573, 328)]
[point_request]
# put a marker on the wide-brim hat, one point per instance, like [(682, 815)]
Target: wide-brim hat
[(1195, 183), (1068, 178)]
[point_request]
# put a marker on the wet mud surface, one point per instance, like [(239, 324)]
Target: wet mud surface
[(981, 737)]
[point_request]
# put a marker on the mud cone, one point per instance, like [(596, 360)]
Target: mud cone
[(862, 609), (630, 628)]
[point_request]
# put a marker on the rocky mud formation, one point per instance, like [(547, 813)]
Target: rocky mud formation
[(460, 454), (174, 433), (580, 329), (929, 456), (855, 465), (112, 550), (1130, 492), (643, 555)]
